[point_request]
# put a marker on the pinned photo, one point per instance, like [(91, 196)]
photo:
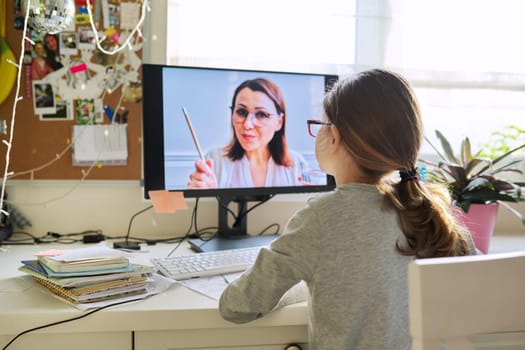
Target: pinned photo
[(68, 43), (85, 111), (114, 14), (64, 111), (39, 63), (43, 98), (86, 38)]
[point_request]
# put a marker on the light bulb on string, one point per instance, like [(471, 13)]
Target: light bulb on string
[(49, 16)]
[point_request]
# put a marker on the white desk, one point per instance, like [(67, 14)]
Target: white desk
[(176, 319)]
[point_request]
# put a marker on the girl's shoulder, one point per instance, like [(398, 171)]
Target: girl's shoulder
[(347, 195)]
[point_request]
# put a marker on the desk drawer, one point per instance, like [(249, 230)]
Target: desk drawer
[(253, 338)]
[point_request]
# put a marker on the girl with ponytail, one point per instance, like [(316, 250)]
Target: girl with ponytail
[(352, 246)]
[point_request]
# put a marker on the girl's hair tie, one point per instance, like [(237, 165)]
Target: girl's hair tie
[(409, 175)]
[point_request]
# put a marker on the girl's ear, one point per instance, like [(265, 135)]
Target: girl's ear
[(335, 135)]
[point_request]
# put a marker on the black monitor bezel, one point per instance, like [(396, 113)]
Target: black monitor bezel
[(153, 141)]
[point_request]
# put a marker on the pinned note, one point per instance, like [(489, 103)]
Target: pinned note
[(82, 67), (105, 143), (165, 202)]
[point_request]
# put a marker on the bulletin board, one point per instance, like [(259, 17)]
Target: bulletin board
[(107, 89)]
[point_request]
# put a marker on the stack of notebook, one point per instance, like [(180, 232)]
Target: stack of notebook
[(88, 275)]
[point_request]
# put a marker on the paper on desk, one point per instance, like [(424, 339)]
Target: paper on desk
[(158, 285), (211, 287), (100, 250)]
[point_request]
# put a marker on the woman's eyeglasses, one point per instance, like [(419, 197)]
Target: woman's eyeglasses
[(314, 125), (258, 118)]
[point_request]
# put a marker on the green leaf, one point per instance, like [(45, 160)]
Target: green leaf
[(477, 183), (466, 153), (447, 148), (503, 156), (458, 173), (475, 162), (485, 195)]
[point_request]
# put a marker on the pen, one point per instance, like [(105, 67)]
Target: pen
[(193, 135)]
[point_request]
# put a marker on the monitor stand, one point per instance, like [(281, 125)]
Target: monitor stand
[(221, 243), (234, 236)]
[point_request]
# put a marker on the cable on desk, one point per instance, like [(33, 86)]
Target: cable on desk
[(51, 237), (206, 233), (23, 241), (64, 321), (270, 226), (252, 208), (192, 221), (238, 218), (135, 215), (210, 235)]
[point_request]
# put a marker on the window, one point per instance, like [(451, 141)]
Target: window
[(287, 35), (464, 58)]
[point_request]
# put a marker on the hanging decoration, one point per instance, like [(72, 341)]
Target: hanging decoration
[(7, 69), (49, 16)]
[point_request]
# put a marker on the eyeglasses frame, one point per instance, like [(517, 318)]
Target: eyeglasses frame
[(253, 117), (309, 122)]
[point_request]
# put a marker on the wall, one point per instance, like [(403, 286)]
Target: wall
[(69, 206)]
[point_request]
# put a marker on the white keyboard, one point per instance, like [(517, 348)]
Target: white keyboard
[(180, 267)]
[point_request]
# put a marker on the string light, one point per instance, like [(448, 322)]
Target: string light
[(17, 99), (127, 42)]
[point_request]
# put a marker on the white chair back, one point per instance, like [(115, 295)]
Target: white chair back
[(465, 303)]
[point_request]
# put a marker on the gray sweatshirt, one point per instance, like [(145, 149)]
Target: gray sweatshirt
[(342, 244)]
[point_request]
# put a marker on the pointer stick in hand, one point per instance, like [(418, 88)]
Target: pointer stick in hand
[(193, 135)]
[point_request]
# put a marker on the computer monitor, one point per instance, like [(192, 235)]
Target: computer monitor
[(205, 96)]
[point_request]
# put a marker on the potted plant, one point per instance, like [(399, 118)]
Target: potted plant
[(477, 185)]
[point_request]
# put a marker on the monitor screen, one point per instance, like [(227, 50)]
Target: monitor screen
[(232, 119)]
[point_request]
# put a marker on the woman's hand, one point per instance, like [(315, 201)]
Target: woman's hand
[(203, 177)]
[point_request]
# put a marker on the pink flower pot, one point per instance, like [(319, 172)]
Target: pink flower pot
[(480, 220)]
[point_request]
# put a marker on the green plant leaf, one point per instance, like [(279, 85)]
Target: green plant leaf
[(477, 183), (474, 163), (503, 156), (463, 204), (458, 173), (466, 152), (509, 167), (485, 195), (447, 148)]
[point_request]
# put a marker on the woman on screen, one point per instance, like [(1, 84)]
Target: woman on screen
[(257, 155), (352, 247)]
